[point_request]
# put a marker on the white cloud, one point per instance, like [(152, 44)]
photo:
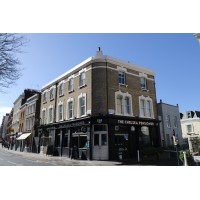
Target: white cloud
[(3, 111)]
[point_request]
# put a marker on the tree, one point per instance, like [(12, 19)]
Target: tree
[(10, 72)]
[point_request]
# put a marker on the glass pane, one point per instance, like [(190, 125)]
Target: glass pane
[(82, 141), (103, 139), (96, 140), (65, 141)]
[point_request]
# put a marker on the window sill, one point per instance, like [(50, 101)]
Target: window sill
[(70, 91), (61, 95), (51, 99), (144, 89), (82, 86), (123, 85), (44, 102)]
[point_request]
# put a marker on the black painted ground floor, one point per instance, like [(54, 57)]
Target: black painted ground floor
[(98, 138)]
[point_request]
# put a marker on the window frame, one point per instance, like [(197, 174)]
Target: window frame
[(71, 86), (61, 89), (122, 77), (71, 100), (79, 114), (60, 111), (82, 79)]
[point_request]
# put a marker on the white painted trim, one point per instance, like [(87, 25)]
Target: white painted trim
[(78, 111), (60, 103), (119, 68), (145, 101), (129, 73), (67, 110), (51, 106), (123, 95)]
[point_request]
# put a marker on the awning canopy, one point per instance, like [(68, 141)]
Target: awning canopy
[(23, 136)]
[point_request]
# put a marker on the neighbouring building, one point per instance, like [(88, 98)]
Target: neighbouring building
[(103, 106), (18, 122), (4, 126), (190, 123), (28, 122), (170, 124)]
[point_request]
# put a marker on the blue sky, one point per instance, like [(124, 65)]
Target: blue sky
[(175, 59)]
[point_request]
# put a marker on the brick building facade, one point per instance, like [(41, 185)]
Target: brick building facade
[(102, 106)]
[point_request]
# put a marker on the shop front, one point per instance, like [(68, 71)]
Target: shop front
[(129, 135)]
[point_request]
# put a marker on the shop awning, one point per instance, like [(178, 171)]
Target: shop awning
[(23, 136)]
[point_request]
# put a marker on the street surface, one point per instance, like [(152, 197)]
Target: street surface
[(16, 158)]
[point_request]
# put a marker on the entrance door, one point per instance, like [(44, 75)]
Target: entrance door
[(100, 146)]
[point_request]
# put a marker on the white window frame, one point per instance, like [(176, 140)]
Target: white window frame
[(44, 97), (144, 77), (68, 111), (82, 82), (43, 117), (71, 86), (79, 108), (122, 77), (61, 88), (58, 117), (192, 129), (50, 120), (123, 104), (52, 93), (149, 108), (144, 108)]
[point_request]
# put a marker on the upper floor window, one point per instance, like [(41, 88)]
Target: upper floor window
[(51, 114), (168, 121), (143, 83), (82, 105), (121, 76), (82, 80), (127, 105), (175, 122), (190, 128), (70, 109), (44, 97), (149, 108), (51, 93), (123, 103), (120, 104), (60, 112), (43, 116), (61, 89), (71, 85), (142, 108), (146, 107)]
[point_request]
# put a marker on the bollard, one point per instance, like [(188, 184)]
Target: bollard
[(185, 159)]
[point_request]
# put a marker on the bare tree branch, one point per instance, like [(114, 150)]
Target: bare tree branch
[(10, 72)]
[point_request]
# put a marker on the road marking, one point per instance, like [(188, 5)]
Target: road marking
[(12, 163)]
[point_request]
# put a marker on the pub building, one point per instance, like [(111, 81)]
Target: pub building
[(102, 106)]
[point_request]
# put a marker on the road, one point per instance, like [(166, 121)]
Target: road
[(16, 158), (10, 158)]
